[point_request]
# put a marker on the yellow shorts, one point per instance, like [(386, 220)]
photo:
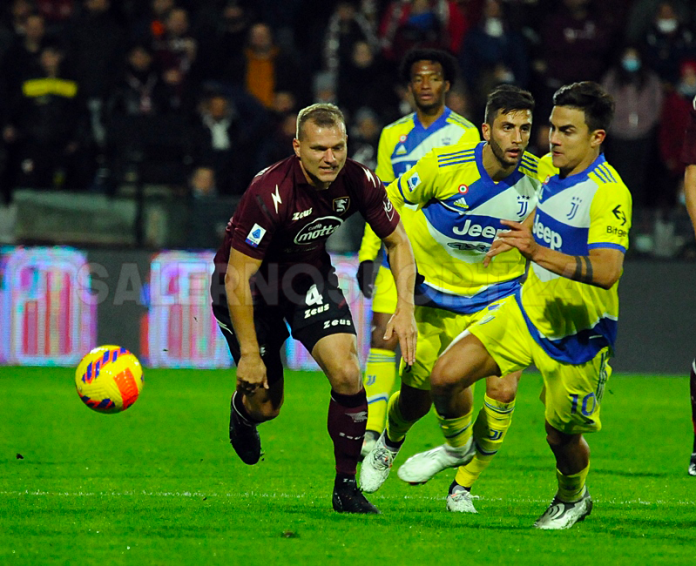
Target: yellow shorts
[(572, 393), (436, 330), (384, 296)]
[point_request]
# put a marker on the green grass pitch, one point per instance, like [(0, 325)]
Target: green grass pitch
[(160, 484)]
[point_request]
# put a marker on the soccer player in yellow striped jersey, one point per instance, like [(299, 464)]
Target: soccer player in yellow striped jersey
[(463, 194), (563, 319), (428, 74)]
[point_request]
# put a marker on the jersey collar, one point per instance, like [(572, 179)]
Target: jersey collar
[(508, 181), (436, 125), (573, 180)]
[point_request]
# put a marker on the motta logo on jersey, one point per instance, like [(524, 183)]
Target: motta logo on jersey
[(318, 228)]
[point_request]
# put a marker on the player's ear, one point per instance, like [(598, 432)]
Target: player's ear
[(447, 86), (486, 131), (597, 138), (296, 146)]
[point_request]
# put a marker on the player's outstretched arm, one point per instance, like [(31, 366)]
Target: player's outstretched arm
[(500, 247), (690, 192), (369, 249), (251, 371), (403, 267), (601, 268)]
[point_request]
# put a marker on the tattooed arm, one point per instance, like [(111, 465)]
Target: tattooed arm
[(602, 267)]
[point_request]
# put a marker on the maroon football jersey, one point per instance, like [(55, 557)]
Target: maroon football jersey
[(688, 153), (285, 221)]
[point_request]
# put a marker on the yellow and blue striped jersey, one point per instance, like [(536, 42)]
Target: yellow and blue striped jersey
[(402, 143), (573, 321), (462, 209)]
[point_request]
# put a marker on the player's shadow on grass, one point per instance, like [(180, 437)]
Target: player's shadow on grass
[(629, 526), (628, 474)]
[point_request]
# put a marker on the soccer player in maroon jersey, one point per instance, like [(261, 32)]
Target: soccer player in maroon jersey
[(689, 157), (273, 268)]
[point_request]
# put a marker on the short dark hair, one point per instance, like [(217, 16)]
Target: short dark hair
[(588, 96), (507, 98), (448, 62), (322, 114)]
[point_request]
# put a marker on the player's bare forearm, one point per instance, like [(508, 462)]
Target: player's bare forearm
[(690, 192), (601, 268), (240, 268), (402, 265), (251, 370), (403, 268)]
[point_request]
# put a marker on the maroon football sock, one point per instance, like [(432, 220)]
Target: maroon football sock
[(347, 420)]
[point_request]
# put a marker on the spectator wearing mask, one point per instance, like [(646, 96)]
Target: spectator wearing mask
[(668, 42), (637, 91), (493, 53)]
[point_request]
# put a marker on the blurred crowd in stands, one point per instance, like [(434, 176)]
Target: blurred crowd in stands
[(202, 94)]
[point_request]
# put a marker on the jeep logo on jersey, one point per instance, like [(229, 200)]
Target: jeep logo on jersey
[(552, 238), (476, 230), (319, 228), (340, 205)]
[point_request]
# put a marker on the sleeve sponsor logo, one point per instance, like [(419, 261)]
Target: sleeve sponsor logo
[(413, 181), (620, 232), (620, 214), (255, 235)]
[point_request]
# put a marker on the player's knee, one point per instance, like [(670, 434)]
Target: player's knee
[(377, 339), (345, 377), (502, 392), (443, 379), (265, 408), (414, 407), (558, 440)]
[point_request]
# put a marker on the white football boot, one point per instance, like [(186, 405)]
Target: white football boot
[(376, 466), (421, 467), (368, 444), (692, 465), (460, 499), (563, 515)]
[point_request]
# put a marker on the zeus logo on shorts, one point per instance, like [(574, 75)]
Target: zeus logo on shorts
[(316, 310), (255, 235), (546, 235)]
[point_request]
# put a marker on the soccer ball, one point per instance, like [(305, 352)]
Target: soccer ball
[(109, 379)]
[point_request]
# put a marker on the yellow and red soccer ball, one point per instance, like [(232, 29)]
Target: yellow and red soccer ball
[(109, 379)]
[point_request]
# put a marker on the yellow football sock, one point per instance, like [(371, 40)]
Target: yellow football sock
[(570, 488), (457, 431), (380, 375), (490, 429), (397, 425)]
